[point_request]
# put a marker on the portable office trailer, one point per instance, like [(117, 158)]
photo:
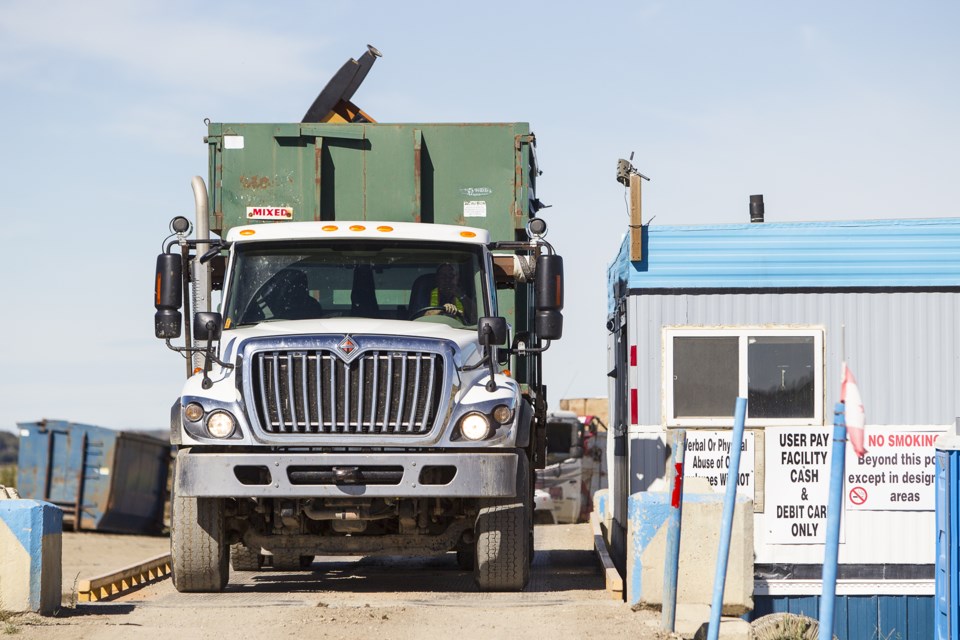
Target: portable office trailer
[(103, 480), (769, 312)]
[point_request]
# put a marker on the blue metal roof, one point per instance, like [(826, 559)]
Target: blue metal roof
[(859, 254)]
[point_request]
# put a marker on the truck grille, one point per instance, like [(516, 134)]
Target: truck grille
[(378, 392)]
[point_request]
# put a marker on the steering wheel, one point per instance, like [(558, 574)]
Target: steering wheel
[(419, 313), (254, 311)]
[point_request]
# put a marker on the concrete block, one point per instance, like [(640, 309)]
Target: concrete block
[(699, 542), (601, 502), (30, 556)]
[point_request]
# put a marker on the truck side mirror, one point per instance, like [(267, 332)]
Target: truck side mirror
[(492, 331), (548, 283), (207, 325), (168, 296), (549, 324), (548, 297)]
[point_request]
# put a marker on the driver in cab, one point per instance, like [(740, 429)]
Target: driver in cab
[(445, 295)]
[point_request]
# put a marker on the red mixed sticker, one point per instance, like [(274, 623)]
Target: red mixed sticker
[(269, 213), (858, 495)]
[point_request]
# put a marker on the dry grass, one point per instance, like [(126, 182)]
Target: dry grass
[(8, 475)]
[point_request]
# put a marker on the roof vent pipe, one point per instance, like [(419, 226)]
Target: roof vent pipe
[(756, 208)]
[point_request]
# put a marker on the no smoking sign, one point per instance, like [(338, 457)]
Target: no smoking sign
[(858, 495)]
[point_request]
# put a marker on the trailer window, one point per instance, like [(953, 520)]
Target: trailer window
[(780, 372)]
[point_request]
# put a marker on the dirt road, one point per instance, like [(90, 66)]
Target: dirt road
[(384, 599)]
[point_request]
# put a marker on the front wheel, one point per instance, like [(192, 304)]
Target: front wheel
[(200, 557), (503, 529)]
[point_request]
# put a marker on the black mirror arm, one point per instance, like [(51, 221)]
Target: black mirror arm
[(529, 350), (194, 243), (213, 251), (206, 350), (488, 353), (474, 367), (206, 383)]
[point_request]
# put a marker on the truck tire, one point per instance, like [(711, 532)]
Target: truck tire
[(503, 528), (200, 558), (243, 558), (285, 560), (466, 557)]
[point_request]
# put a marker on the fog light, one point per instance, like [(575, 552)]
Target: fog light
[(220, 424), (502, 413), (193, 412), (475, 426)]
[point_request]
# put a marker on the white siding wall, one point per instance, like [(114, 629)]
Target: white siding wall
[(904, 348)]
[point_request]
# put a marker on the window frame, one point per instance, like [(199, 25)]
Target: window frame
[(743, 333)]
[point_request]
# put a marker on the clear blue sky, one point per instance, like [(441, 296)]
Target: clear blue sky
[(831, 110)]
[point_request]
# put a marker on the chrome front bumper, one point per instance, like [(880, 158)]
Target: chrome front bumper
[(486, 475)]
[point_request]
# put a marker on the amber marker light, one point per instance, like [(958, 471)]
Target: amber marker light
[(357, 227), (330, 227), (385, 229), (468, 234), (247, 232)]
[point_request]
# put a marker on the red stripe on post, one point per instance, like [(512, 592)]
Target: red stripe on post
[(677, 482), (634, 406), (633, 356)]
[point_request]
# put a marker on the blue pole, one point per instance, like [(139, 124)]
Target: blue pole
[(671, 561), (726, 526), (834, 509)]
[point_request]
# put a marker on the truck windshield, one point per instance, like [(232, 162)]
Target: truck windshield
[(428, 281)]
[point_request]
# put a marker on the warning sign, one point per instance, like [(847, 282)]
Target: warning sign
[(708, 456), (797, 483), (896, 474)]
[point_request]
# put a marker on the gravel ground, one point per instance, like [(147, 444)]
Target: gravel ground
[(87, 555), (388, 598)]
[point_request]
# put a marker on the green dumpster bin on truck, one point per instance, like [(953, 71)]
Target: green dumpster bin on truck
[(478, 175), (373, 383)]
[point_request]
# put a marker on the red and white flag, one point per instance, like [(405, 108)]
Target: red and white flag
[(853, 413)]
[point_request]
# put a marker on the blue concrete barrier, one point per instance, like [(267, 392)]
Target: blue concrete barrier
[(647, 514), (30, 556)]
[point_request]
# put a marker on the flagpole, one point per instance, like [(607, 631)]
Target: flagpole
[(834, 509)]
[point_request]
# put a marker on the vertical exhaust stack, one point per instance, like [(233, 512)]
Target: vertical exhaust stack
[(201, 272), (756, 208)]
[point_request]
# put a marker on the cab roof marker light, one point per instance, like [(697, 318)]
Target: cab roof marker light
[(384, 228), (468, 234), (357, 227), (247, 232), (330, 227)]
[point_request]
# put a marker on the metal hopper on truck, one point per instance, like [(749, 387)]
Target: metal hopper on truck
[(372, 381)]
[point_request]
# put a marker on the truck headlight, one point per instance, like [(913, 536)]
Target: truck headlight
[(502, 413), (221, 424), (193, 412), (475, 426)]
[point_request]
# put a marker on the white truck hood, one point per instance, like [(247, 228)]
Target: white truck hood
[(465, 339)]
